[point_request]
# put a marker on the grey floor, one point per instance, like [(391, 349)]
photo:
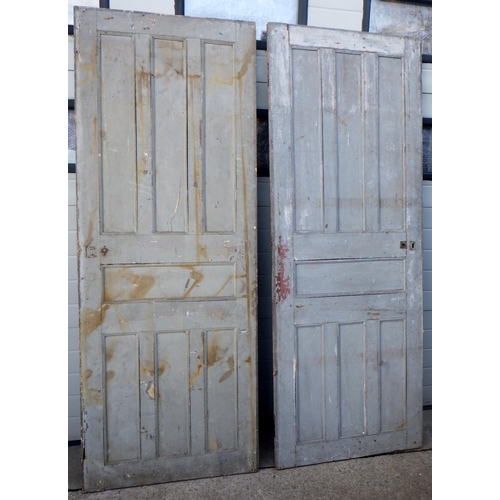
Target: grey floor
[(404, 476)]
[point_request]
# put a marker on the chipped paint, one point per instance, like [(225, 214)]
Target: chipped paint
[(282, 282), (150, 391), (229, 372), (193, 378)]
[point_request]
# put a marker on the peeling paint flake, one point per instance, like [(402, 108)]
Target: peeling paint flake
[(282, 282)]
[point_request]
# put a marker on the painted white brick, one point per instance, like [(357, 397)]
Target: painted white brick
[(74, 384), (71, 53), (72, 316), (427, 255), (72, 189), (427, 395), (73, 292), (427, 242), (427, 194), (73, 362), (427, 301), (428, 320), (427, 338), (73, 339), (263, 192), (427, 281), (156, 6), (74, 433), (261, 69), (427, 358), (264, 218), (73, 406), (426, 78), (71, 218), (72, 243), (72, 268), (339, 19), (71, 84), (427, 376), (427, 105), (427, 218), (262, 102)]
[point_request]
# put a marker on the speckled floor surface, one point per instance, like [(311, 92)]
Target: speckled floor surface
[(404, 476)]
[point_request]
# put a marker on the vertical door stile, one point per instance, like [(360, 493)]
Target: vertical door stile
[(195, 138), (280, 154), (413, 158), (92, 311), (144, 134), (371, 141)]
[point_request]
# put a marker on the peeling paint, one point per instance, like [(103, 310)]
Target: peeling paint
[(282, 282), (150, 391), (193, 378)]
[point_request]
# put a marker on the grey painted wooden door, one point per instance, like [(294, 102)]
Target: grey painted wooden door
[(346, 180), (166, 189)]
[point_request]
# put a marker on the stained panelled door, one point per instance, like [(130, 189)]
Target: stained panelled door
[(346, 180), (166, 186)]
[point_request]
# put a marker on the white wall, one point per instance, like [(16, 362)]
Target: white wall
[(340, 14), (427, 266), (427, 90), (157, 6), (73, 362), (427, 242), (71, 67)]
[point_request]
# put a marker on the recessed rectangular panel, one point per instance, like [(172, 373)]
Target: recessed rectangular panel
[(122, 398), (117, 132), (307, 141), (332, 391), (329, 126), (351, 277), (391, 141), (169, 282), (219, 155), (349, 140), (172, 371), (349, 308), (310, 384), (169, 131), (352, 368), (221, 390), (392, 374), (348, 245)]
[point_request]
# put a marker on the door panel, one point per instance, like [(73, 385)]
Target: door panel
[(345, 129), (166, 191)]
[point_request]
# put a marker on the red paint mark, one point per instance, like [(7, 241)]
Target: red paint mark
[(282, 283)]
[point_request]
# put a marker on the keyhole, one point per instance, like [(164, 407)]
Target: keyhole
[(104, 251)]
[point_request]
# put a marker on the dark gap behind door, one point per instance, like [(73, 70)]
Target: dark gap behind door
[(265, 338)]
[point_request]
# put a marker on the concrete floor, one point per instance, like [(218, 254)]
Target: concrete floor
[(404, 476)]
